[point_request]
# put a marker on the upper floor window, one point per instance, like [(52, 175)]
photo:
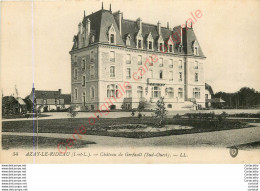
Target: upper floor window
[(150, 41), (180, 76), (156, 92), (196, 65), (84, 98), (139, 60), (128, 59), (92, 39), (160, 62), (128, 38), (150, 46), (150, 73), (76, 73), (171, 75), (112, 56), (180, 64), (160, 44), (140, 91), (83, 81), (139, 40), (161, 74), (92, 56), (92, 71), (170, 48), (170, 93), (170, 44), (171, 63), (139, 43), (128, 73), (75, 93), (83, 64), (112, 35), (112, 71), (196, 77), (92, 92), (128, 91)]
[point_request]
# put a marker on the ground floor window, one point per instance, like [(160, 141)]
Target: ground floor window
[(92, 107), (169, 105), (180, 93), (112, 90), (128, 91), (156, 92), (140, 91), (196, 93), (170, 93)]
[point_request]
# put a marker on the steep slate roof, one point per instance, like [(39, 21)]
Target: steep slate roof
[(103, 19), (47, 94), (66, 97)]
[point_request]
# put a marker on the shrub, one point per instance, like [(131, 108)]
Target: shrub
[(139, 115)]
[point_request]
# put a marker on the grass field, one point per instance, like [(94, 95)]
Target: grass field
[(101, 126), (13, 141)]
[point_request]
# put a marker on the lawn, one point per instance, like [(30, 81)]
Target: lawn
[(13, 141), (103, 125)]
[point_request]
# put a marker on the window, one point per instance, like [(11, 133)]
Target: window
[(150, 73), (169, 105), (128, 40), (112, 90), (171, 75), (93, 39), (84, 98), (160, 62), (196, 50), (195, 47), (180, 93), (196, 93), (112, 71), (196, 65), (196, 77), (161, 74), (83, 81), (140, 91), (180, 76), (112, 38), (170, 92), (141, 72), (92, 71), (180, 64), (139, 60), (112, 56), (92, 92), (76, 73), (207, 96), (128, 59), (150, 45), (128, 91), (91, 56), (76, 94), (171, 63), (128, 73), (83, 64), (156, 92), (170, 48), (139, 43), (45, 102), (161, 46), (92, 107)]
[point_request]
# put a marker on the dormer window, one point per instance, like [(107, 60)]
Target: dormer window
[(92, 39), (150, 42), (112, 35), (139, 40), (170, 44), (127, 41), (195, 48), (160, 44)]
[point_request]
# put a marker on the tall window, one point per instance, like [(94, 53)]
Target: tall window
[(171, 75), (128, 59), (112, 90), (196, 77), (112, 56), (170, 93), (161, 74), (170, 48), (161, 46), (180, 64), (150, 73), (171, 63), (140, 91), (92, 71), (156, 92), (76, 73), (180, 76), (139, 60), (112, 35), (128, 73), (92, 56), (196, 50), (128, 91), (180, 93), (196, 93), (83, 64), (112, 71), (83, 81), (139, 43), (150, 45), (84, 98), (196, 65), (160, 62), (76, 93), (92, 92)]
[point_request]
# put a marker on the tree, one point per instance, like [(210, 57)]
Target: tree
[(160, 111), (72, 113)]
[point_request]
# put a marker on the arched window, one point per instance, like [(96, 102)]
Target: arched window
[(160, 44), (156, 92), (196, 93), (140, 91), (112, 90), (92, 92), (180, 93)]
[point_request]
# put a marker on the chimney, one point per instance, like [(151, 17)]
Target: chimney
[(59, 91), (118, 17), (88, 26), (168, 25), (181, 34), (139, 23), (159, 28), (79, 28)]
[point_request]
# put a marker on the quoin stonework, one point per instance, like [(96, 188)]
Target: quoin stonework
[(110, 50)]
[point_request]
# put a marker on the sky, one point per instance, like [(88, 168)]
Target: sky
[(36, 39)]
